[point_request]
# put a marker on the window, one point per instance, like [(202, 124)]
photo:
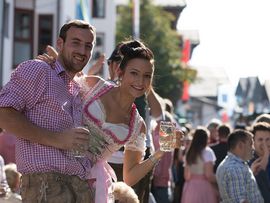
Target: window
[(99, 47), (98, 50), (98, 8), (44, 32), (224, 98), (23, 40), (6, 20)]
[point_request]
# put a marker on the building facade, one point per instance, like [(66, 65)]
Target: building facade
[(27, 26), (2, 4)]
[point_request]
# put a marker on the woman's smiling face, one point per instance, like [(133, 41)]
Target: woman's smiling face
[(137, 76)]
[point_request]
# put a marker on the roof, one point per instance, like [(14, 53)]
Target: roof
[(181, 3), (267, 88), (206, 101), (192, 35), (208, 81), (251, 89)]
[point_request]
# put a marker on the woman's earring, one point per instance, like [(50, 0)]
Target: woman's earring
[(118, 81)]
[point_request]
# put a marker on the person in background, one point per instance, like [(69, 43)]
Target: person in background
[(212, 126), (178, 165), (41, 106), (264, 118), (221, 148), (7, 146), (236, 181), (13, 179), (96, 68), (113, 64), (124, 194), (3, 182), (241, 123), (149, 108), (161, 181), (261, 132), (117, 158), (6, 194), (200, 180)]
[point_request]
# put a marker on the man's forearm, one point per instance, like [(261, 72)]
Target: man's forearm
[(17, 124)]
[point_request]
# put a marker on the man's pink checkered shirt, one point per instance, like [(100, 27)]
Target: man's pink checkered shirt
[(49, 99)]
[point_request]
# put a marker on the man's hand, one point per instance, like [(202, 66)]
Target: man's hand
[(256, 166), (72, 139), (265, 157)]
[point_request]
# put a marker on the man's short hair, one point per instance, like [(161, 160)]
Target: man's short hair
[(262, 118), (237, 136), (77, 24), (260, 126), (213, 124), (224, 131)]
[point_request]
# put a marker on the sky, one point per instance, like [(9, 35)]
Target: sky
[(234, 35)]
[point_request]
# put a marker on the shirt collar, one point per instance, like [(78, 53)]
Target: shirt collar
[(59, 68), (237, 158)]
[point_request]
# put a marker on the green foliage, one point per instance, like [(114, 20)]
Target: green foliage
[(156, 32)]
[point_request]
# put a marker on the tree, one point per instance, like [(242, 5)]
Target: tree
[(156, 32)]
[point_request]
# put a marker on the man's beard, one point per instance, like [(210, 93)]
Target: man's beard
[(69, 66)]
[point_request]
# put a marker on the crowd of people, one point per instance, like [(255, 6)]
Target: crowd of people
[(49, 109)]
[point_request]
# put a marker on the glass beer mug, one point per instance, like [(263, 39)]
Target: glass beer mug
[(167, 136)]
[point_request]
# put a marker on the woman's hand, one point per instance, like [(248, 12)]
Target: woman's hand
[(51, 51), (158, 154), (50, 56), (96, 67), (46, 58)]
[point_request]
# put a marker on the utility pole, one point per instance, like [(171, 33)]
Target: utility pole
[(136, 19), (58, 20), (2, 15)]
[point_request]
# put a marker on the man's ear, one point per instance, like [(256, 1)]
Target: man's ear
[(59, 44), (241, 145)]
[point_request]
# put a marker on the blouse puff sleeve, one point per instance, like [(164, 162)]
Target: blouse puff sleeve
[(208, 155), (137, 141)]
